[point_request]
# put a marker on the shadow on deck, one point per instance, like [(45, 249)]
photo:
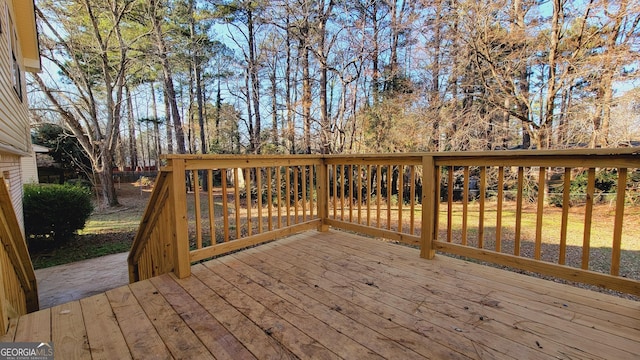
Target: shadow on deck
[(338, 295)]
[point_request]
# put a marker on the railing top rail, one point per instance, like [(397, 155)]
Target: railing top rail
[(240, 156), (444, 154), (151, 211)]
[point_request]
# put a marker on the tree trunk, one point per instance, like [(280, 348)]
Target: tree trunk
[(133, 151), (291, 132), (552, 86), (274, 102), (110, 199), (167, 123), (195, 61), (325, 125), (156, 125), (252, 134), (255, 82), (375, 77), (306, 96), (167, 73)]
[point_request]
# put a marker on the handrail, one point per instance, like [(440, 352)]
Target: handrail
[(221, 203), (18, 293), (211, 205), (152, 250), (541, 251)]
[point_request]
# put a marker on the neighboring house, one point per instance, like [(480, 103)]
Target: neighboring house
[(19, 52), (29, 165)]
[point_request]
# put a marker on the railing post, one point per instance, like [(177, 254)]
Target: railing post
[(323, 195), (429, 207), (178, 199)]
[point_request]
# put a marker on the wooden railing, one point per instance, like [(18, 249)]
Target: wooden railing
[(541, 217), (154, 247), (206, 206), (379, 195), (522, 209), (18, 293)]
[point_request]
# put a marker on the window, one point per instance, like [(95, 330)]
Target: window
[(15, 66)]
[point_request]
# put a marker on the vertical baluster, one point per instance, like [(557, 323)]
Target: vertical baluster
[(225, 205), (311, 191), (303, 178), (342, 191), (465, 205), (335, 191), (247, 183), (516, 245), (212, 223), (287, 182), (296, 173), (236, 190), (412, 191), (369, 195), (359, 167), (499, 209), (400, 195), (378, 194), (269, 199), (450, 204), (389, 185), (565, 216), (436, 215), (542, 179), (259, 197), (617, 228), (588, 217), (351, 185), (483, 193), (197, 208), (278, 174)]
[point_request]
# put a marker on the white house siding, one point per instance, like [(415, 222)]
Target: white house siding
[(29, 169), (14, 113), (15, 141), (10, 171)]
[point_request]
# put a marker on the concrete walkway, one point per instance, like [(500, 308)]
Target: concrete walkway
[(64, 283)]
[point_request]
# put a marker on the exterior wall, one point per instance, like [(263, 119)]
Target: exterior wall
[(11, 173), (29, 169), (15, 139), (14, 115)]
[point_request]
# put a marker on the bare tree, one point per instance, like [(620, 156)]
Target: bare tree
[(95, 65)]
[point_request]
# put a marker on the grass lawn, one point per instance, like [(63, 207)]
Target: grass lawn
[(108, 231), (601, 238)]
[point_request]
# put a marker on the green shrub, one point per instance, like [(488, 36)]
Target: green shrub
[(606, 184), (80, 183), (55, 212)]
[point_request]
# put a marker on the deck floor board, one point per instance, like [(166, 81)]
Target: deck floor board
[(542, 331), (142, 338), (453, 318), (337, 295)]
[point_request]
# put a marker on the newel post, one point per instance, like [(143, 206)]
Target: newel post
[(323, 195), (429, 207), (178, 199)]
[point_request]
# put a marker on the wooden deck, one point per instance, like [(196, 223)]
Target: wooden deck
[(338, 295)]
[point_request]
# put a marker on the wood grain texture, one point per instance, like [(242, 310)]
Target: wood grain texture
[(333, 294)]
